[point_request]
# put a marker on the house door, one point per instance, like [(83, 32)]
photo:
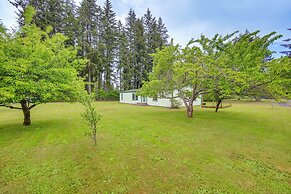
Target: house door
[(143, 99)]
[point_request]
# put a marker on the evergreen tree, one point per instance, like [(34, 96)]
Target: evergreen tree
[(88, 16), (130, 35), (47, 13), (123, 62), (163, 34), (287, 45), (109, 43), (70, 25), (140, 63)]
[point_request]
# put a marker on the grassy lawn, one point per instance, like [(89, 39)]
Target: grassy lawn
[(243, 149)]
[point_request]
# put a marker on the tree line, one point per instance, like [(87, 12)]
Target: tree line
[(45, 62), (118, 54)]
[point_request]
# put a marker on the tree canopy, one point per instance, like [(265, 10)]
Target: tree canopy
[(36, 68), (222, 67)]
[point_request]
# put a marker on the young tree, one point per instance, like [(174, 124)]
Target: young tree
[(36, 68), (90, 115)]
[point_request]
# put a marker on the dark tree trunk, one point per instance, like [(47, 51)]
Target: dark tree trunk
[(218, 104), (26, 112), (190, 110), (89, 80)]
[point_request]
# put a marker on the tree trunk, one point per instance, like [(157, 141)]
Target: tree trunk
[(172, 100), (26, 112), (190, 110), (217, 104), (89, 79), (94, 135)]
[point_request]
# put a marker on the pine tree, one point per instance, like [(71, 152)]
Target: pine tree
[(109, 43), (88, 40), (130, 35), (141, 55), (287, 45), (70, 24), (123, 62), (48, 13), (163, 33)]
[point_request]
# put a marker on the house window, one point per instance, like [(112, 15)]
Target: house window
[(155, 98), (134, 97), (121, 96)]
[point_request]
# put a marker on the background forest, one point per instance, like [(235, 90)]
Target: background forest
[(118, 53)]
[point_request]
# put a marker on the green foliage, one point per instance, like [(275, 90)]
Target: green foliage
[(175, 103), (221, 67), (36, 68), (90, 115), (112, 95), (101, 94)]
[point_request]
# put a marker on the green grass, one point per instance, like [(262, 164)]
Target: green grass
[(243, 149)]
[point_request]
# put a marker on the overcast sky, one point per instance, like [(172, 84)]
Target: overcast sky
[(186, 19)]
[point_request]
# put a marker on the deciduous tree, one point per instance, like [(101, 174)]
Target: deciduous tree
[(36, 68)]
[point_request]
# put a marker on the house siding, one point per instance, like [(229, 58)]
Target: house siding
[(126, 97)]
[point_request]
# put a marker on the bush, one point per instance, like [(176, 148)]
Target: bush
[(175, 103), (101, 94), (112, 95)]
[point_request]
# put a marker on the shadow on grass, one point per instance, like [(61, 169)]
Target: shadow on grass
[(37, 131)]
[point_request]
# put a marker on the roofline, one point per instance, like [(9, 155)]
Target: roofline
[(128, 91)]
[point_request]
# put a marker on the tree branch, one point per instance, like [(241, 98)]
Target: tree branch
[(32, 106), (11, 107)]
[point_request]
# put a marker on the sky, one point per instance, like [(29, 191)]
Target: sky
[(186, 19)]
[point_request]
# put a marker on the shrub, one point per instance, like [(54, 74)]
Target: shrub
[(175, 103)]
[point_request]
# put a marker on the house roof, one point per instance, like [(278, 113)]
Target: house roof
[(128, 91)]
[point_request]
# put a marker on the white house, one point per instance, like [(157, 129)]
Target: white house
[(130, 97)]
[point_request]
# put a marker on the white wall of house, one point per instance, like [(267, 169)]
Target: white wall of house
[(127, 97)]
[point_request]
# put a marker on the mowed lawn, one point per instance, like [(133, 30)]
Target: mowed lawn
[(243, 149)]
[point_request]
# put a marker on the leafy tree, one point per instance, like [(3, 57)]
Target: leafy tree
[(161, 82), (179, 69), (36, 68), (221, 78), (239, 65), (246, 59)]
